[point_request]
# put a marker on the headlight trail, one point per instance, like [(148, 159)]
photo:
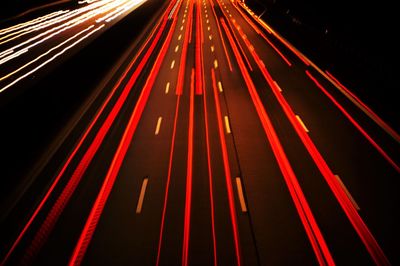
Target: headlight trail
[(61, 26)]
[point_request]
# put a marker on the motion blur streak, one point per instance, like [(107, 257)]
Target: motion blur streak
[(366, 236), (351, 119), (373, 115), (29, 29), (210, 177), (189, 177), (61, 26), (221, 37), (182, 65), (307, 218), (83, 138), (228, 176), (198, 50), (161, 162), (70, 21), (95, 213), (47, 226), (51, 59), (171, 156), (262, 35), (30, 22), (46, 53), (328, 76)]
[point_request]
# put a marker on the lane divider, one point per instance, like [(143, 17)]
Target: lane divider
[(215, 64), (227, 126), (166, 194), (220, 86), (159, 120), (167, 87), (240, 194), (302, 124), (141, 195), (238, 43)]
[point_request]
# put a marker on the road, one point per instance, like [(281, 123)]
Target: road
[(218, 142)]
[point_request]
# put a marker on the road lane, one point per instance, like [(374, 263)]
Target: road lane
[(219, 166), (53, 216), (348, 134)]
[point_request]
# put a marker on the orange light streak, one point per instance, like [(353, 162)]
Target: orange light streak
[(94, 216), (368, 110), (74, 152), (228, 176), (210, 177), (354, 122), (221, 37), (268, 28), (182, 64), (262, 35), (303, 209), (198, 50), (189, 177), (358, 224)]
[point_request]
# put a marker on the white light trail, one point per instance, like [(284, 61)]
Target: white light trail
[(46, 53), (67, 20), (51, 59), (30, 22)]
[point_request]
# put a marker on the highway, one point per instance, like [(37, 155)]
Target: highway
[(215, 142)]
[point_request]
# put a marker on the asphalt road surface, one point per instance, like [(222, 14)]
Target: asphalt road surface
[(216, 142)]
